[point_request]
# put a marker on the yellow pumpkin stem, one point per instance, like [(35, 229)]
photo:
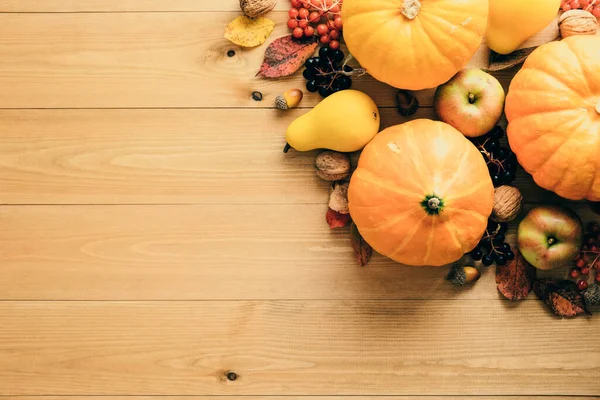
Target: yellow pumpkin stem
[(410, 8), (433, 203)]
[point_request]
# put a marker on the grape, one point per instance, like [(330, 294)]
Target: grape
[(510, 255), (492, 226), (502, 153), (496, 180), (503, 227), (497, 132), (311, 63), (311, 86), (487, 260), (492, 145), (324, 91), (344, 82), (348, 68), (499, 238), (476, 254), (505, 247)]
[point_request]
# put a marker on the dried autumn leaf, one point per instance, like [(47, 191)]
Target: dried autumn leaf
[(286, 55), (563, 297), (362, 250), (247, 32), (337, 220), (515, 279), (498, 62)]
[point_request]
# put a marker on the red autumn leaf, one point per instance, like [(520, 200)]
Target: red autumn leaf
[(337, 220), (515, 279), (563, 297), (362, 250), (285, 56)]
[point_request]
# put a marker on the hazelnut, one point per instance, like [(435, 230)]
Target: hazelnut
[(577, 22), (332, 166), (256, 8)]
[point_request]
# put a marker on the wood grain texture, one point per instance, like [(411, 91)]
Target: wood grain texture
[(147, 60), (349, 397), (293, 348), (204, 252), (165, 156)]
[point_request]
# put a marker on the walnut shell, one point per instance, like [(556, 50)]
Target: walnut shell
[(577, 22), (256, 8), (332, 166), (338, 197), (508, 203)]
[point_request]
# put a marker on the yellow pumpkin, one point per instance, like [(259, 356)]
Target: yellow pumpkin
[(553, 109), (421, 193), (412, 44)]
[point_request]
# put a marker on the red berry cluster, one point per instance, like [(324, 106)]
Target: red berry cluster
[(588, 257), (592, 6), (317, 17)]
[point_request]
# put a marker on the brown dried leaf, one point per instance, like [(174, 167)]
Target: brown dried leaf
[(248, 32), (286, 55), (498, 62), (563, 297), (515, 279), (362, 250), (337, 220)]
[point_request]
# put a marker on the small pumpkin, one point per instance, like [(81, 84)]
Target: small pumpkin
[(421, 193), (412, 44), (553, 109)]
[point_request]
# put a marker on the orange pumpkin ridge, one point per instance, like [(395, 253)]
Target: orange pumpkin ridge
[(553, 110), (421, 193)]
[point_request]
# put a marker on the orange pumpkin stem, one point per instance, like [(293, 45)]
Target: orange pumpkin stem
[(411, 8)]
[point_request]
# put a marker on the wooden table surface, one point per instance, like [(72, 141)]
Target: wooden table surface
[(153, 236)]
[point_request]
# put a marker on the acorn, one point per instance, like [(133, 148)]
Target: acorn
[(289, 99), (463, 275)]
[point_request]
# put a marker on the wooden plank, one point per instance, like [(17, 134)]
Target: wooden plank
[(124, 6), (164, 156), (145, 60), (205, 252), (444, 397), (295, 348)]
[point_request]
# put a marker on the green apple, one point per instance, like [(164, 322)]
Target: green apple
[(472, 102), (550, 237)]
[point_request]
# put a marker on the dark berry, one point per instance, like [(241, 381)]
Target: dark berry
[(312, 62), (500, 259), (325, 52), (582, 285), (585, 271), (505, 247), (492, 226), (344, 82), (476, 254), (309, 74), (496, 180), (574, 273), (487, 260), (510, 255), (497, 132), (500, 238), (325, 91), (486, 243), (311, 86), (502, 153), (493, 169), (508, 176), (337, 55), (492, 145), (348, 68)]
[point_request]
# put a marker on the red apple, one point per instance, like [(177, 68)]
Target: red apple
[(472, 102), (550, 237)]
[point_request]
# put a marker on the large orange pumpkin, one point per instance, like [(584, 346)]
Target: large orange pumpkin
[(413, 44), (421, 193), (553, 109)]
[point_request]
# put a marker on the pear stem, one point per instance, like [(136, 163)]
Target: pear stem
[(287, 148), (411, 8)]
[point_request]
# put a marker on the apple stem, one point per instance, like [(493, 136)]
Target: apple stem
[(471, 98), (551, 241)]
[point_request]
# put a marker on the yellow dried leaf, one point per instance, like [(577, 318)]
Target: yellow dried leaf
[(247, 32)]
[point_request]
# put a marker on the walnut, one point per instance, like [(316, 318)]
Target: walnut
[(256, 8), (508, 203), (332, 166), (577, 22)]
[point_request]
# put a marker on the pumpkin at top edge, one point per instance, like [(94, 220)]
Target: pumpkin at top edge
[(553, 110), (412, 44), (421, 194)]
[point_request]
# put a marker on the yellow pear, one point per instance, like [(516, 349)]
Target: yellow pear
[(512, 22), (345, 121)]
